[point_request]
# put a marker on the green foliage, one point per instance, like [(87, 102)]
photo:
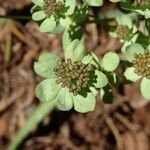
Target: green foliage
[(73, 83)]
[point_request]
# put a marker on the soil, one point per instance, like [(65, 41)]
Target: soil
[(122, 125)]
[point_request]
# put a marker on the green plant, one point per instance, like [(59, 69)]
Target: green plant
[(73, 82)]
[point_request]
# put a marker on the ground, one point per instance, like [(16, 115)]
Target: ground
[(122, 125)]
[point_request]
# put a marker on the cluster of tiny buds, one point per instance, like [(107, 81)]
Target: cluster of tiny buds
[(122, 31), (141, 63), (73, 75), (141, 2), (52, 7)]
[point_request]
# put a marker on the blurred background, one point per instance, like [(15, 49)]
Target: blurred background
[(122, 125)]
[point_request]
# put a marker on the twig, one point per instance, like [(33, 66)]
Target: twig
[(116, 133), (126, 122)]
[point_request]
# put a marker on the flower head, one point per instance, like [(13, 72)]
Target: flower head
[(126, 31), (140, 61), (53, 14), (72, 82)]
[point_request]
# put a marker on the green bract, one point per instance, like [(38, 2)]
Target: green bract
[(140, 59), (94, 2), (126, 31), (97, 3), (110, 61), (53, 14), (115, 1), (140, 6), (72, 82)]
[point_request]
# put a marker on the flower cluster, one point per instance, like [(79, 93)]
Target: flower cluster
[(75, 80), (140, 61), (53, 14), (125, 30)]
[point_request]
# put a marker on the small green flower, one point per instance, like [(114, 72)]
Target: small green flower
[(53, 14), (126, 31), (140, 60), (140, 6), (72, 82)]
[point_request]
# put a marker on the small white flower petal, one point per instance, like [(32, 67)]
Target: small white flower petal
[(131, 75), (84, 104), (132, 49), (145, 88), (48, 25), (101, 79), (65, 101), (39, 15), (47, 90), (38, 2)]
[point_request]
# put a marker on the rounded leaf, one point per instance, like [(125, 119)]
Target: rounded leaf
[(110, 61), (65, 101), (47, 90), (84, 104), (145, 88), (46, 64), (101, 79), (131, 75)]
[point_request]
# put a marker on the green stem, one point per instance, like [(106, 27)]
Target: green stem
[(42, 110), (16, 17)]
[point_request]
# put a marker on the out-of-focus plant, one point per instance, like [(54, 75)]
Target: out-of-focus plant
[(74, 81)]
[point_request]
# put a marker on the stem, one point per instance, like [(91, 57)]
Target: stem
[(16, 17), (38, 114)]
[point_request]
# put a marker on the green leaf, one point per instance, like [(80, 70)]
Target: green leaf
[(110, 61), (94, 2), (38, 114), (145, 88), (46, 64), (113, 79), (133, 49), (84, 104), (101, 79), (65, 101), (48, 25), (75, 51), (80, 14), (130, 75), (47, 90), (38, 15), (106, 95)]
